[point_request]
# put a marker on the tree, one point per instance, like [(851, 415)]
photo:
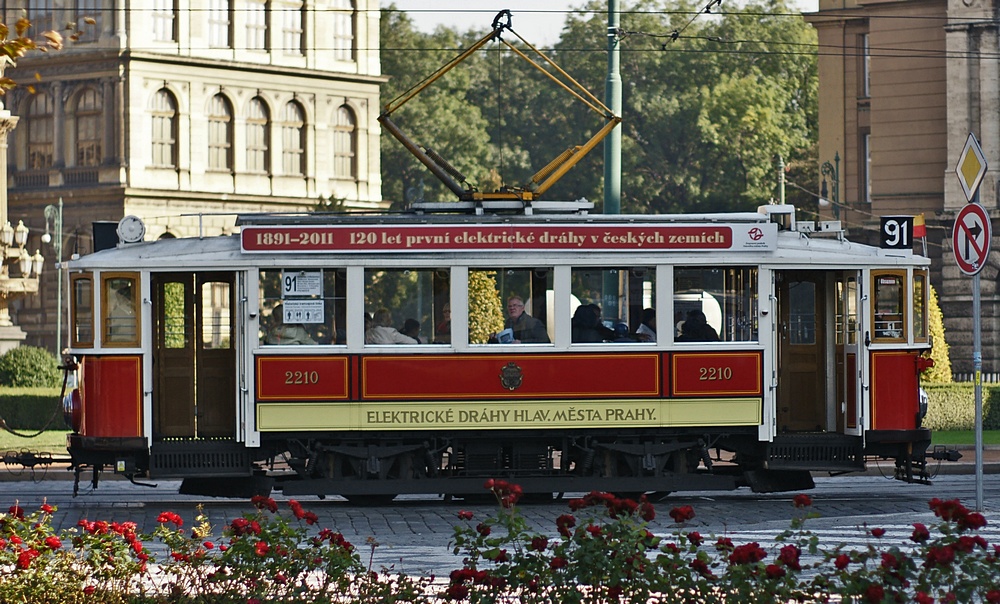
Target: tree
[(940, 373), (485, 306), (13, 48)]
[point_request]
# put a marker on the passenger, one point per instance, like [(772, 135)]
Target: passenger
[(411, 328), (526, 329), (285, 334), (647, 329), (382, 331), (607, 334), (442, 333), (697, 329), (585, 324)]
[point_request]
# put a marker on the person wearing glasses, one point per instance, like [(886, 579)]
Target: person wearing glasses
[(525, 328)]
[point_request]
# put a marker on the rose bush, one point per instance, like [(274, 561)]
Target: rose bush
[(601, 551)]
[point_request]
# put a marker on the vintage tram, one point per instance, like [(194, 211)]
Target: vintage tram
[(250, 361)]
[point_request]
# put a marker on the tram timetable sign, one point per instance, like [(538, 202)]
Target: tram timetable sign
[(367, 238)]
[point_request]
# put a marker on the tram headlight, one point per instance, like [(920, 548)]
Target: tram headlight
[(73, 410)]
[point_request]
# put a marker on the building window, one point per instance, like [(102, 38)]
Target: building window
[(164, 112), (41, 15), (89, 9), (293, 136), (865, 169), (864, 67), (219, 23), (345, 144), (256, 13), (88, 129), (40, 132), (291, 28), (163, 21), (220, 134), (258, 137), (344, 18)]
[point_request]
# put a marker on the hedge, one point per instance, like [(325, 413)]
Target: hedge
[(953, 407), (31, 408)]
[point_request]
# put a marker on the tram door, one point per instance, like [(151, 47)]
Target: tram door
[(801, 347), (194, 357)]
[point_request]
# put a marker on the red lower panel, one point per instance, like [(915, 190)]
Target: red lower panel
[(510, 376), (894, 390), (302, 378), (112, 396), (716, 374)]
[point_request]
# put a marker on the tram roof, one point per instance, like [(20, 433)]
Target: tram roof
[(225, 252)]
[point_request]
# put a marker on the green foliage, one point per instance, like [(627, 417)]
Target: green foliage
[(30, 408), (29, 366), (485, 306), (953, 407), (704, 115), (940, 373)]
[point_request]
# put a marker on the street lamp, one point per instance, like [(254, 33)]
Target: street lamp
[(13, 253), (54, 222), (833, 171)]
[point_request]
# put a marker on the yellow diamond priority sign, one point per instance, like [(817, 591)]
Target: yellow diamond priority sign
[(971, 167)]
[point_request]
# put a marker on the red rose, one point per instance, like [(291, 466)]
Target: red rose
[(920, 533), (802, 501), (465, 515), (682, 513), (878, 532), (774, 571)]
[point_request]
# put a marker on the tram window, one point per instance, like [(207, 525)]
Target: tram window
[(216, 324), (722, 298), (889, 319), (407, 306), (608, 304), (82, 292), (847, 309), (120, 301), (920, 305), (303, 306), (510, 305)]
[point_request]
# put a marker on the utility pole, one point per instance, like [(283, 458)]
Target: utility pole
[(613, 99)]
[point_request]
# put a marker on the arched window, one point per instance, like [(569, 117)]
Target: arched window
[(88, 129), (164, 113), (40, 132), (258, 137), (293, 138), (344, 17), (220, 134), (345, 144)]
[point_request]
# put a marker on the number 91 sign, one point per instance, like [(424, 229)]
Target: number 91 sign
[(896, 233)]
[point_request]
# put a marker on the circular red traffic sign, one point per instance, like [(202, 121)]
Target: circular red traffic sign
[(970, 238)]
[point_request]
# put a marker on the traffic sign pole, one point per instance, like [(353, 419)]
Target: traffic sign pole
[(977, 368)]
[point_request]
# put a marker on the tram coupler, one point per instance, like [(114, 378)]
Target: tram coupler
[(131, 478), (942, 453)]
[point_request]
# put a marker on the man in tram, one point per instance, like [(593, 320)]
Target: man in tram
[(526, 329)]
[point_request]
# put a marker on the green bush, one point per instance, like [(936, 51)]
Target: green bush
[(953, 407), (29, 366)]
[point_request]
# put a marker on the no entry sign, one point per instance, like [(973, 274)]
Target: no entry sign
[(971, 238)]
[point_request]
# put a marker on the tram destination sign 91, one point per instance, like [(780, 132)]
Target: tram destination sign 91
[(367, 238)]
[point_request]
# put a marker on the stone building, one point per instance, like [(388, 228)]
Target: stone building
[(187, 112), (902, 84)]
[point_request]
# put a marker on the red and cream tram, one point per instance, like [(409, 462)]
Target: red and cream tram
[(665, 353)]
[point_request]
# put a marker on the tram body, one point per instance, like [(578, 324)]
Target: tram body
[(816, 365)]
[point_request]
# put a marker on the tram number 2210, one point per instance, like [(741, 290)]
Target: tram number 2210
[(303, 378), (714, 374)]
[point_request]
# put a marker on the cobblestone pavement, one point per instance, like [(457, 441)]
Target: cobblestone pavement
[(413, 533)]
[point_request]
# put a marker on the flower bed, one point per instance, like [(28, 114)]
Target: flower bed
[(602, 551)]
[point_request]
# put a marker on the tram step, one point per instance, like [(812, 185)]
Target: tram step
[(198, 458), (816, 451)]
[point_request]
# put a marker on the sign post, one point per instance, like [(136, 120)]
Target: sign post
[(971, 244)]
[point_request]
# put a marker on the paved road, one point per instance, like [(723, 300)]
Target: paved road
[(413, 533)]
